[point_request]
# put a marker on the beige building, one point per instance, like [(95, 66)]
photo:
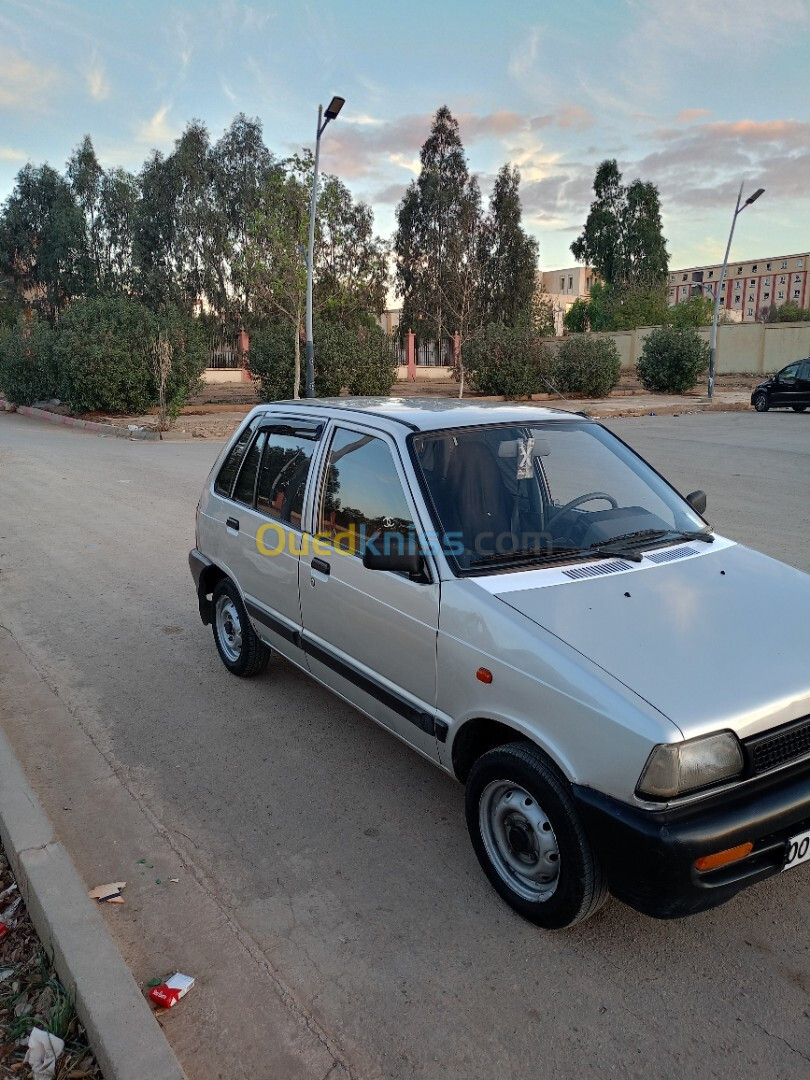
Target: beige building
[(564, 287), (749, 286)]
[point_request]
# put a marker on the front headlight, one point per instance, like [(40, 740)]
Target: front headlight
[(673, 769)]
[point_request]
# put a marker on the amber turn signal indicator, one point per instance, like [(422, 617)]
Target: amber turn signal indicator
[(484, 675), (720, 858)]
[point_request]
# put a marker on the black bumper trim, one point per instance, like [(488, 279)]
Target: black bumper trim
[(198, 564), (649, 855)]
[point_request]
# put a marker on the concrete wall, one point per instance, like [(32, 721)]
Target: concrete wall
[(424, 372), (742, 348)]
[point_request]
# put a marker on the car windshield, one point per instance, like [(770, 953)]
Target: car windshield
[(504, 496)]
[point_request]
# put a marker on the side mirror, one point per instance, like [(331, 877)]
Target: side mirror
[(394, 551), (697, 500)]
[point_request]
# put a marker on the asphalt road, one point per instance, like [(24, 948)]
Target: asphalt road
[(339, 855)]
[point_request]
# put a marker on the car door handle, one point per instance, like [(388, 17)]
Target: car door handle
[(232, 523), (321, 565)]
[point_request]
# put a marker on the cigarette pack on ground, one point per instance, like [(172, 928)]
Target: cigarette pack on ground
[(170, 992)]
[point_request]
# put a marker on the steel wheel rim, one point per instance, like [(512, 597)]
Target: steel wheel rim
[(760, 402), (229, 628), (519, 840)]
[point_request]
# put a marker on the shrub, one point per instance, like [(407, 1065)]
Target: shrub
[(189, 357), (507, 360), (370, 362), (271, 361), (587, 365), (672, 360), (28, 370), (104, 353)]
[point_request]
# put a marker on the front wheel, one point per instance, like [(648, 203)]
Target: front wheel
[(761, 402), (529, 839), (237, 644)]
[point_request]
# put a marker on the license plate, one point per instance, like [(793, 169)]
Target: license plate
[(798, 850)]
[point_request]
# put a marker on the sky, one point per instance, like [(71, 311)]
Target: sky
[(694, 96)]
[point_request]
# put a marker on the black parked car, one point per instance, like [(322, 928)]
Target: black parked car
[(788, 389)]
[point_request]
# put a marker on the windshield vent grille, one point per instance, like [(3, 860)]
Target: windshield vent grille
[(779, 747), (670, 554), (597, 570)]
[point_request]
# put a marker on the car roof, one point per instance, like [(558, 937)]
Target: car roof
[(428, 414)]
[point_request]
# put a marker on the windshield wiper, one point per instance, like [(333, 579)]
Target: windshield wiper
[(646, 535), (556, 554)]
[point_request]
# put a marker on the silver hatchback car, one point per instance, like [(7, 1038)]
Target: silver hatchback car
[(517, 595)]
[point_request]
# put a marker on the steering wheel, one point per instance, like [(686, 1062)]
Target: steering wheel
[(578, 502)]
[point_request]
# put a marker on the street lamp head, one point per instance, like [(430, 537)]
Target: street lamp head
[(754, 197), (334, 107)]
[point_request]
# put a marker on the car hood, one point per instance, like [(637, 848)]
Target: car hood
[(716, 639)]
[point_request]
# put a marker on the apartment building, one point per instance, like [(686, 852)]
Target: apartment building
[(564, 287), (749, 287)]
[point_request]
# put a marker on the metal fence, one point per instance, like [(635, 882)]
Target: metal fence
[(224, 351), (434, 353)]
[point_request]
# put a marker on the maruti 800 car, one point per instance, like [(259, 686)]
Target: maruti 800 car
[(517, 595)]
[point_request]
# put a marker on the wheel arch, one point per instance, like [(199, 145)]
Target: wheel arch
[(481, 734), (209, 579)]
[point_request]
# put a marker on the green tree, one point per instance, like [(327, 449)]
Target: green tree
[(436, 244), (696, 311), (622, 238), (789, 312), (28, 370), (509, 256), (575, 319), (42, 239)]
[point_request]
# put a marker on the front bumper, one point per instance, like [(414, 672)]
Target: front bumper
[(649, 855)]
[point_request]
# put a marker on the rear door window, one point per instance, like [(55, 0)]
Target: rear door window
[(230, 467), (245, 488), (284, 470)]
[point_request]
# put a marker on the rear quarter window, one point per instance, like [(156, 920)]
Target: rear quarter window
[(223, 485)]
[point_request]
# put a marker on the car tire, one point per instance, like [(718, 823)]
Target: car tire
[(761, 402), (529, 838), (237, 644), (798, 408)]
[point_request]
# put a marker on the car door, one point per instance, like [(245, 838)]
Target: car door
[(786, 387), (804, 383), (369, 634), (267, 509)]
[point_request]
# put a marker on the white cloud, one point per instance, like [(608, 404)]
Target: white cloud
[(155, 131), (23, 83), (9, 153), (96, 79)]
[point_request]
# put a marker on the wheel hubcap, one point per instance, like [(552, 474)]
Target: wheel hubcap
[(519, 840), (229, 628)]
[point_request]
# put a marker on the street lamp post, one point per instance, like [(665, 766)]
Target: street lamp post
[(334, 107), (713, 354)]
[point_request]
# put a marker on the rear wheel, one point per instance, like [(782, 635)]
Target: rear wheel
[(237, 644), (799, 408), (761, 402), (529, 839)]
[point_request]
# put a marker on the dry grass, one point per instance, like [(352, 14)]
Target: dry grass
[(32, 996)]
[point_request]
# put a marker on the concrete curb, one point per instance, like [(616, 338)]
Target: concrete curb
[(74, 422), (126, 1038)]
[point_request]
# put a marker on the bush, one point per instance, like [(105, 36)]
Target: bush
[(105, 351), (587, 365), (507, 360), (672, 360), (358, 357), (28, 370)]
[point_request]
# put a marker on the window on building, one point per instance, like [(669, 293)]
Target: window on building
[(797, 277), (766, 296), (800, 263), (781, 294), (754, 268), (767, 266), (685, 277), (562, 284), (711, 273), (750, 298), (783, 264), (797, 294), (737, 298), (753, 281), (723, 286), (739, 269), (767, 281), (750, 311), (363, 493), (782, 281), (570, 281)]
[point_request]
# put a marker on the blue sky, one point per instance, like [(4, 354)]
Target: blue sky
[(693, 95)]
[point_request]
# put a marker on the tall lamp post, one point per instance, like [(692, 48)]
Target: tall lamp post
[(713, 354), (333, 108)]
